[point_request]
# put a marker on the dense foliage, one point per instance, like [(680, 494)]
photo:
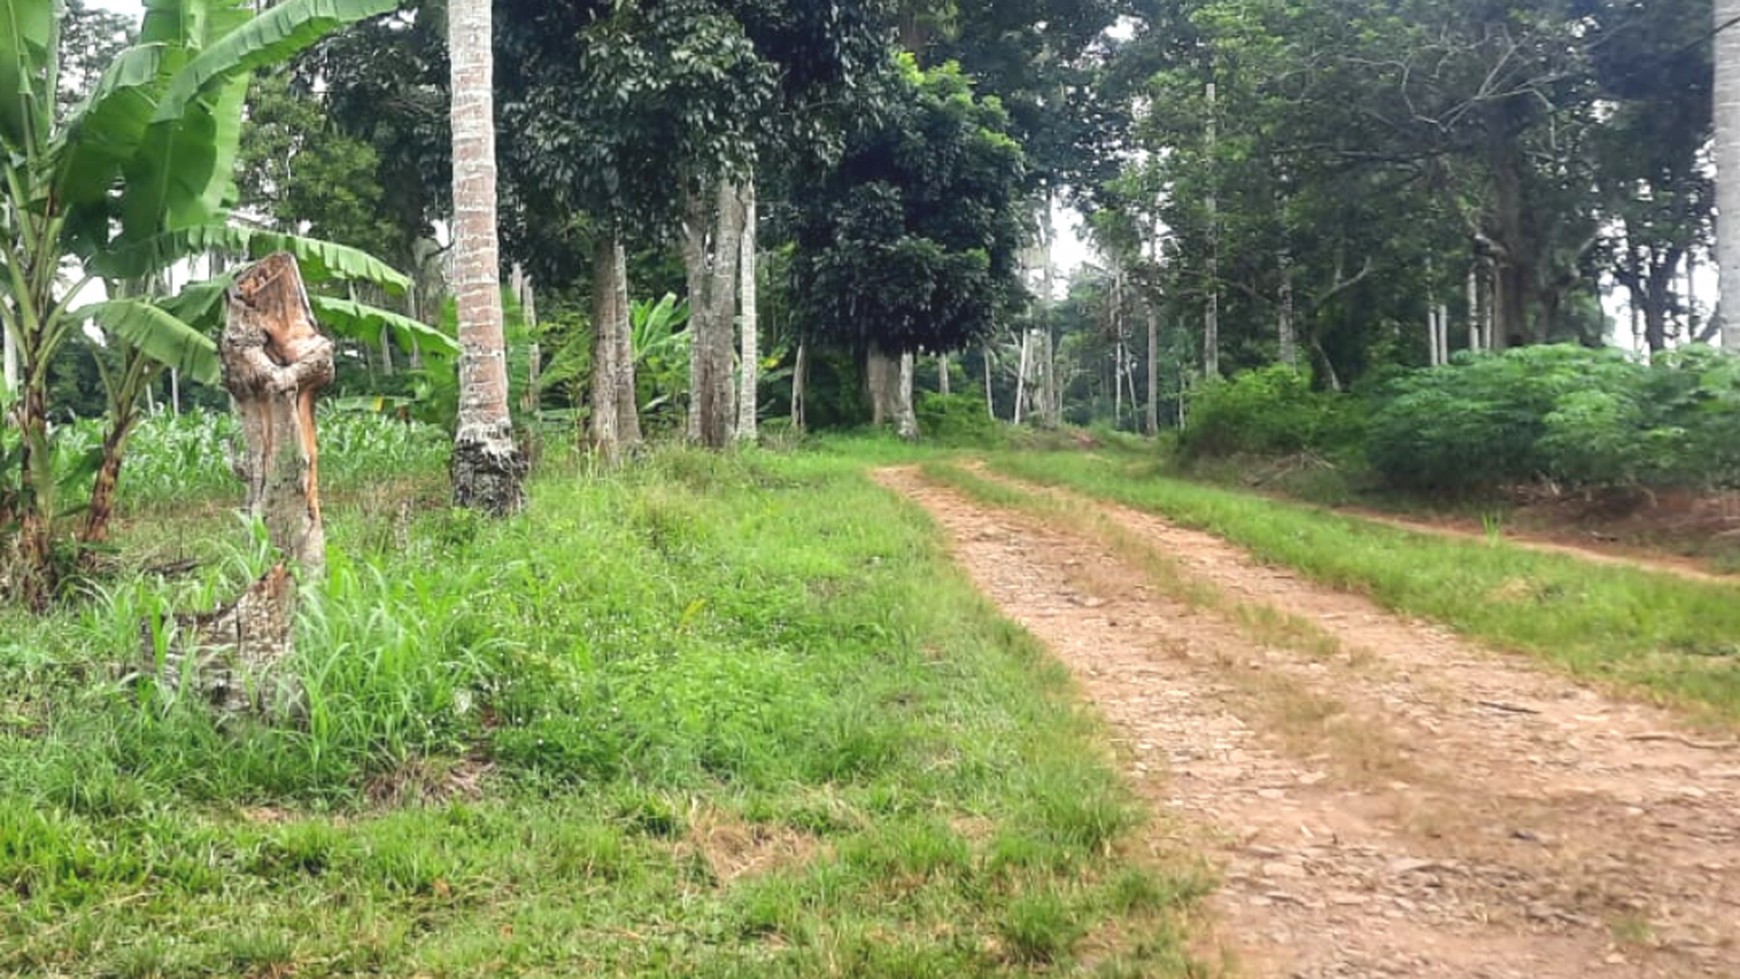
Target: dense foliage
[(910, 242), (1579, 417)]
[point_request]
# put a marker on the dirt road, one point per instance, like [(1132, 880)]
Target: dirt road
[(1383, 798)]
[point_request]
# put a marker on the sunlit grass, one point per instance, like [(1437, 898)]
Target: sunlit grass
[(705, 716)]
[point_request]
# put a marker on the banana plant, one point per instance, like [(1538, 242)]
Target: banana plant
[(661, 350), (133, 179)]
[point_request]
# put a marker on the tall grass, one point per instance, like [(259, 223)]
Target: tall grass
[(709, 715)]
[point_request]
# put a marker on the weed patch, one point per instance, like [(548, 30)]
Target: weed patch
[(706, 715)]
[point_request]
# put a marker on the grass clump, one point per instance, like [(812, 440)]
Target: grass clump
[(708, 715)]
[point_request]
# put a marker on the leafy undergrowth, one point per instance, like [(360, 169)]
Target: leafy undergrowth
[(1673, 639), (710, 716)]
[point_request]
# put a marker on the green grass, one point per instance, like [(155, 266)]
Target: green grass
[(1675, 640), (709, 716)]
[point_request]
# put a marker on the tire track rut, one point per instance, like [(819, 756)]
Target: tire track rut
[(1411, 805)]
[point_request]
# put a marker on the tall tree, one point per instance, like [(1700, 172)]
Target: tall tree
[(910, 242), (1727, 115), (488, 470)]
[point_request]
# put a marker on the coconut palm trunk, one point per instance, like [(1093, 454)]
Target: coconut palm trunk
[(488, 470)]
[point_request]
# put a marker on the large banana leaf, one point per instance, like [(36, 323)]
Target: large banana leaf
[(158, 334), (193, 24), (367, 323), (269, 38), (180, 175), (109, 127), (26, 36), (321, 261)]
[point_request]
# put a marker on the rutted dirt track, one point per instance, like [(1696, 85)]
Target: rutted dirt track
[(1383, 798)]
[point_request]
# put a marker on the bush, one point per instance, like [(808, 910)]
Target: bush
[(956, 419), (1272, 411), (1586, 418)]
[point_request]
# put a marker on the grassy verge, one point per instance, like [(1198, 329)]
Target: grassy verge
[(709, 717), (1675, 640)]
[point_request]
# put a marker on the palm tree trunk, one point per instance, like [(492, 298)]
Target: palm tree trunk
[(1727, 146), (750, 367), (488, 470)]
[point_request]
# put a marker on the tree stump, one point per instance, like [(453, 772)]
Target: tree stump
[(275, 362)]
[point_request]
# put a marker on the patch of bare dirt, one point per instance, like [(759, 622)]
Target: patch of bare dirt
[(1411, 805)]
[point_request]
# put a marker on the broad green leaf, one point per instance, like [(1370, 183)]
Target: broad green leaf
[(192, 24), (267, 39), (366, 323), (320, 261), (105, 132), (158, 334), (26, 34), (175, 174)]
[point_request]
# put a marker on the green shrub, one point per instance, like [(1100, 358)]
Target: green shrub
[(1271, 411), (956, 419), (1586, 418)]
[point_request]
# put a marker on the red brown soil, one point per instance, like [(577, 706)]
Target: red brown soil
[(1404, 803)]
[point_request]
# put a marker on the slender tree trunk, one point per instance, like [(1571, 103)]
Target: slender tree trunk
[(905, 419), (1691, 258), (1118, 385), (879, 373), (1049, 394), (990, 398), (748, 400), (606, 349), (1727, 148), (712, 250), (1473, 308), (36, 503), (488, 471), (1211, 320), (526, 293), (123, 415), (942, 374), (1289, 340), (1153, 407), (1021, 375), (799, 381), (628, 432)]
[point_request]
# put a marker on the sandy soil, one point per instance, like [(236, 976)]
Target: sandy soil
[(1382, 798)]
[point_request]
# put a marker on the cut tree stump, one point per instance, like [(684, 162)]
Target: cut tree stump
[(275, 362)]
